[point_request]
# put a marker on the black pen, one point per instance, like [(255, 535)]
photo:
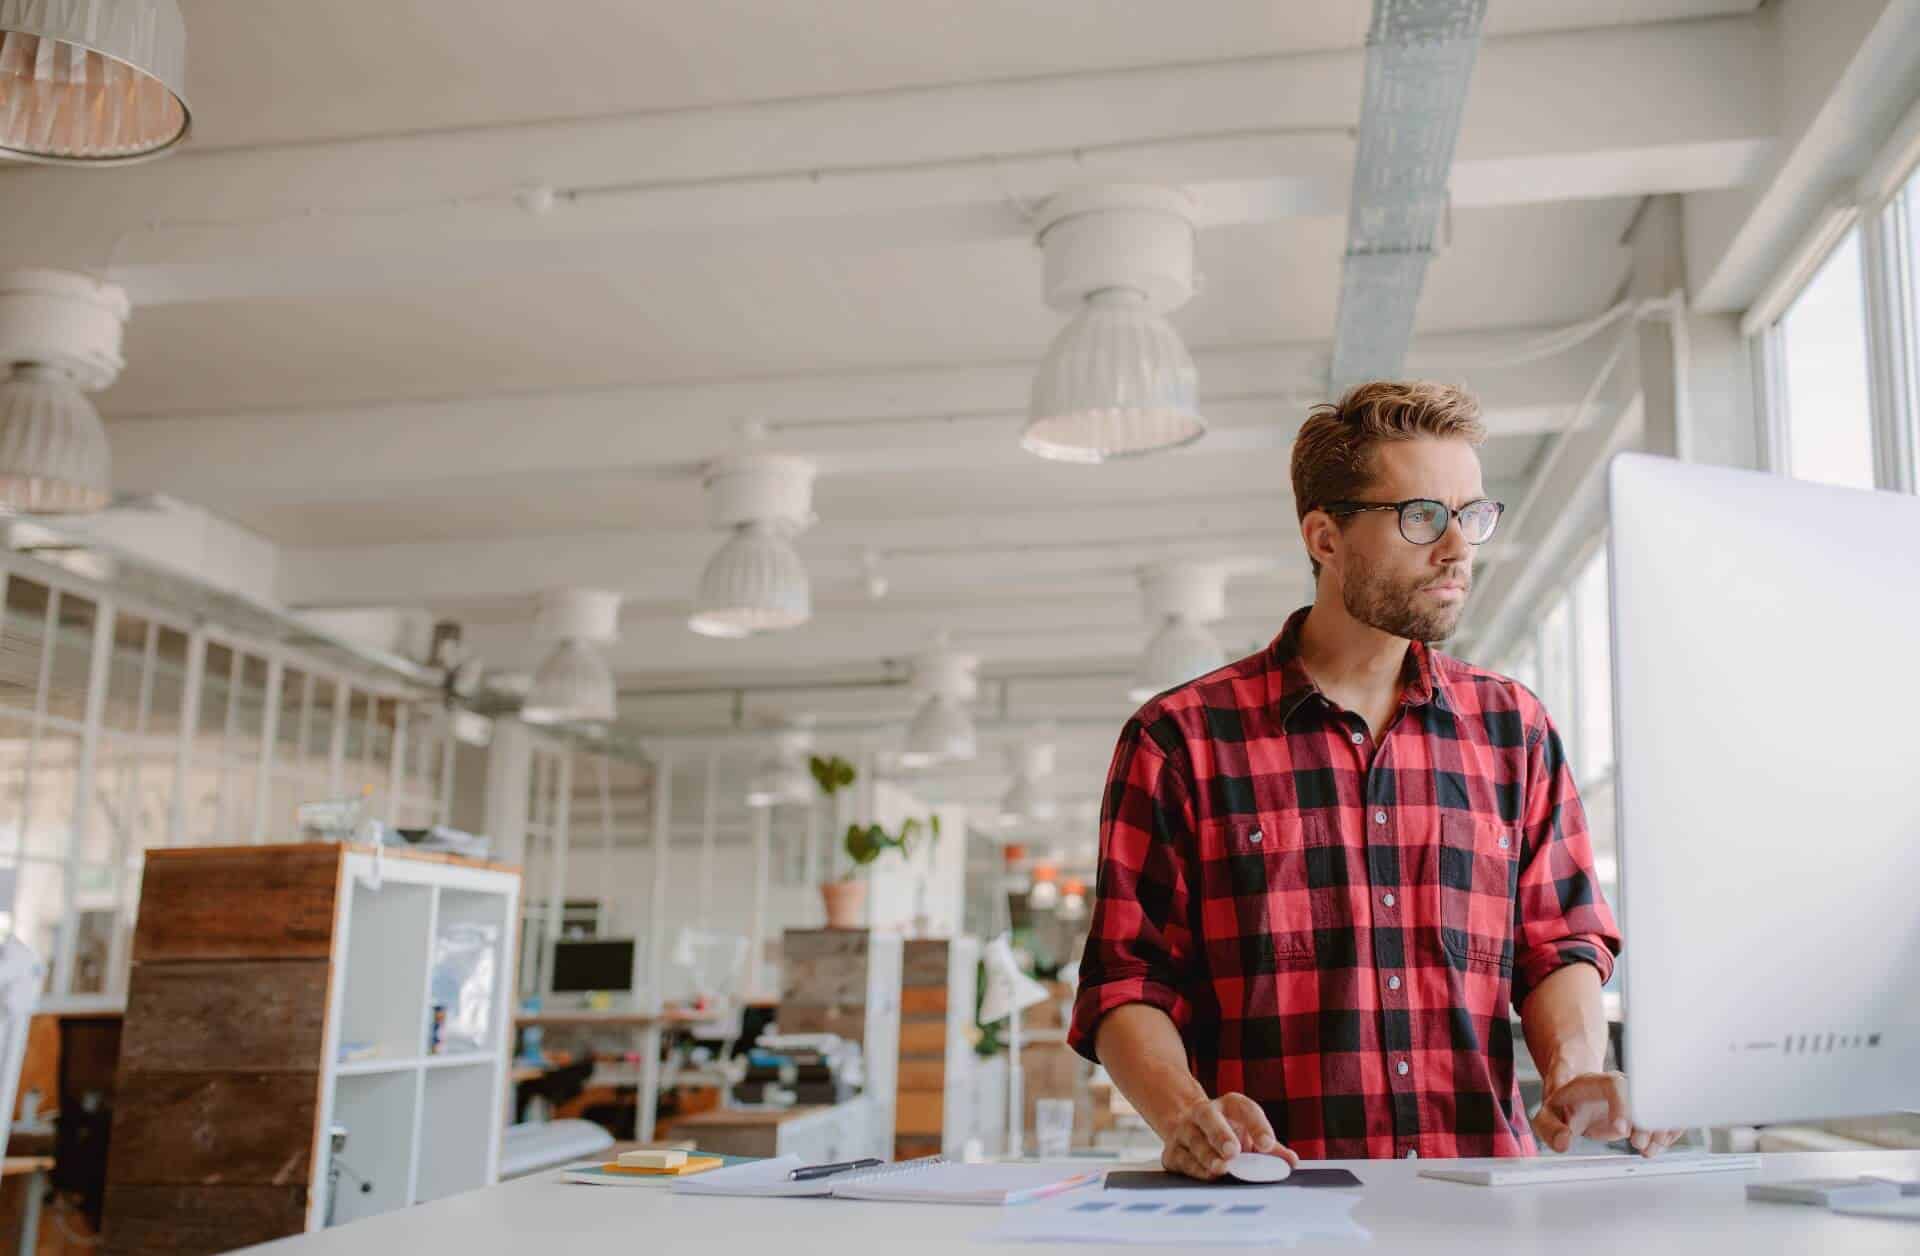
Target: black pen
[(807, 1173)]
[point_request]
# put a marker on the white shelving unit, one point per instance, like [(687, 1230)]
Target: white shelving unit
[(420, 1125)]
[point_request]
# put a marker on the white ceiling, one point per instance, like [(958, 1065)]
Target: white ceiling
[(279, 71), (423, 395)]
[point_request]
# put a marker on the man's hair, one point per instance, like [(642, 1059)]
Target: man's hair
[(1333, 455)]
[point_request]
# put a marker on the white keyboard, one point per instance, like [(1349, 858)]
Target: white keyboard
[(1588, 1169)]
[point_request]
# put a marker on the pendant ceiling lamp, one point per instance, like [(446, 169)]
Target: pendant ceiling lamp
[(59, 340), (756, 582), (781, 776), (1117, 382), (1030, 799), (942, 728), (574, 685), (1181, 599), (92, 82)]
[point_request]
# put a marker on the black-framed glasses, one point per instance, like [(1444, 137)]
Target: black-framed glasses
[(1424, 520)]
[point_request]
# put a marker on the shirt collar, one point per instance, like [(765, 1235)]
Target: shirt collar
[(1289, 687)]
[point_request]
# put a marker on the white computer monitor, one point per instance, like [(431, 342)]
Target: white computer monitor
[(1766, 638)]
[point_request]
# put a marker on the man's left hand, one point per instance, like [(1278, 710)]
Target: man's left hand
[(1594, 1105)]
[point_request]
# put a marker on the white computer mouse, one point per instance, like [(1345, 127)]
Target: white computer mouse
[(1254, 1166)]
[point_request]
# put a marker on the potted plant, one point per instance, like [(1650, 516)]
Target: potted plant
[(846, 900)]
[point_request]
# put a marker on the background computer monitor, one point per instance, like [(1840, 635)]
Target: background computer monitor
[(600, 964), (1766, 637)]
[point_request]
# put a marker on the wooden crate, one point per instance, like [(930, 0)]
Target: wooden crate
[(920, 1111), (251, 965)]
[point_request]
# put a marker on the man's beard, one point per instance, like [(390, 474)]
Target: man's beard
[(1376, 600)]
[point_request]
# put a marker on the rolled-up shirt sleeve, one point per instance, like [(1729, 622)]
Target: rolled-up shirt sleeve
[(1140, 944), (1559, 914)]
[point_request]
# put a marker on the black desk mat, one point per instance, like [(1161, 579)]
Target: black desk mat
[(1136, 1180)]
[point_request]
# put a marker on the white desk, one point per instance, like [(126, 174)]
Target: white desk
[(1678, 1216)]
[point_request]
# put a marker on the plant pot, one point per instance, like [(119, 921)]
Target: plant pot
[(846, 903)]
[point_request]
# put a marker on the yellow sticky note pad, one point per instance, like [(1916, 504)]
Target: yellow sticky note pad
[(694, 1164)]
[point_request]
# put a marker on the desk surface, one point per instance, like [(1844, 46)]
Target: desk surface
[(1677, 1216), (588, 1018), (736, 1118), (678, 1017)]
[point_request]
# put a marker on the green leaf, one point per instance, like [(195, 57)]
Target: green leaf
[(832, 774), (864, 843)]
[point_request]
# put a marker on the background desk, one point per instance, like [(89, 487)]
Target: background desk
[(33, 1168), (643, 1030), (1679, 1216)]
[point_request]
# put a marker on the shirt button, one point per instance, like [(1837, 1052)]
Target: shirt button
[(1255, 837), (1387, 899), (1358, 738), (1393, 983), (1379, 817), (1401, 1068), (1505, 842)]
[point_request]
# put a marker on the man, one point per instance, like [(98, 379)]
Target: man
[(1328, 869)]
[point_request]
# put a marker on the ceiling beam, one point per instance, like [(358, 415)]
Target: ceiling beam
[(945, 419), (1609, 112), (1029, 636), (1850, 68), (1072, 548)]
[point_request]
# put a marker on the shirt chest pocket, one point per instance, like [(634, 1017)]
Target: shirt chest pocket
[(1479, 877), (1267, 880)]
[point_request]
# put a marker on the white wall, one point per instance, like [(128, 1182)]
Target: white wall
[(931, 881), (623, 879)]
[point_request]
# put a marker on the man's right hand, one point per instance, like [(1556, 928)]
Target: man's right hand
[(1210, 1131)]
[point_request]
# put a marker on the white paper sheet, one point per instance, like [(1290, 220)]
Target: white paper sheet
[(1184, 1217)]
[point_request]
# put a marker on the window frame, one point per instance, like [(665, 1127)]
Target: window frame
[(1891, 310), (1774, 396), (202, 750)]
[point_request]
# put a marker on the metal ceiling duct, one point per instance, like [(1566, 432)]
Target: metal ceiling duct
[(1420, 56)]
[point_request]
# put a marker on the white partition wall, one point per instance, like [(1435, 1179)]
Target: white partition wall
[(125, 726)]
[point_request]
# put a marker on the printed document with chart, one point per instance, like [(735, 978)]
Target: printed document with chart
[(1185, 1217)]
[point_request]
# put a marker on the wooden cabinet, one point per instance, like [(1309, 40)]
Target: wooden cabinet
[(933, 1114), (255, 969)]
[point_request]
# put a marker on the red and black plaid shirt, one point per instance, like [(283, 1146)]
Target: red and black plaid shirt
[(1337, 927)]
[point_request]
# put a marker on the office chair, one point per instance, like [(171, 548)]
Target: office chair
[(21, 974)]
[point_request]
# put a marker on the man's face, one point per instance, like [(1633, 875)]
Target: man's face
[(1414, 591)]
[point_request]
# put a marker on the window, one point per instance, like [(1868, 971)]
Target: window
[(103, 705), (1556, 665), (1823, 357), (1907, 216), (1593, 740), (1524, 664)]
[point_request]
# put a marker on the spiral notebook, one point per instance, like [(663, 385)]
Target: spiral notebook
[(932, 1180), (937, 1180)]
